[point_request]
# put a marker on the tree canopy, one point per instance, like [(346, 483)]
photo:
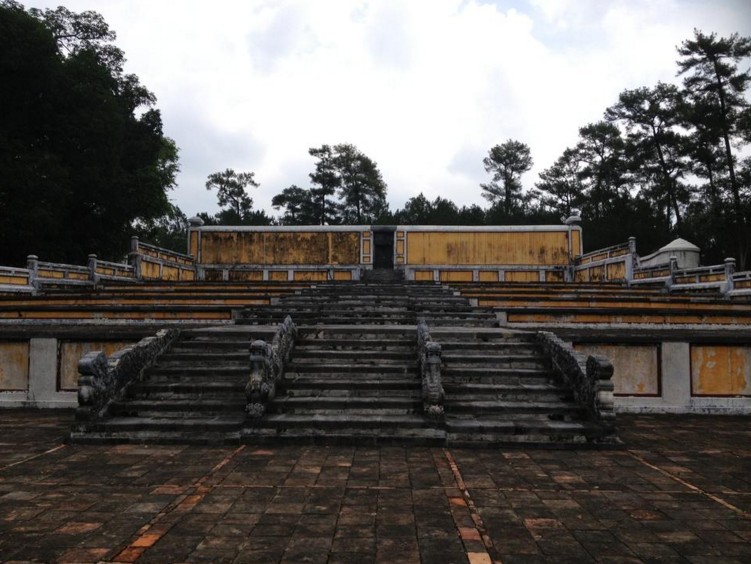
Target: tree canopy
[(83, 157), (346, 188)]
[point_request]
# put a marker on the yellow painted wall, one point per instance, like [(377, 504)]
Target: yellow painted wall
[(522, 276), (455, 275), (14, 366), (576, 242), (617, 271), (720, 370), (280, 247), (423, 275), (279, 275), (310, 275), (14, 280), (487, 248), (636, 368), (245, 275)]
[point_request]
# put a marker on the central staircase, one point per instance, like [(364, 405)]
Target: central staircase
[(353, 378)]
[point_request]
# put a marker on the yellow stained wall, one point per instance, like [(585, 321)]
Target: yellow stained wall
[(487, 247), (720, 370), (636, 368), (280, 247), (14, 280), (14, 366)]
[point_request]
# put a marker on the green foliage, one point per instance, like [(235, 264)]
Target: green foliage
[(231, 192), (83, 157), (169, 231), (299, 207), (342, 171), (506, 163)]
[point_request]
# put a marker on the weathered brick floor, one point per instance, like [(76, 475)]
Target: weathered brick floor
[(679, 492)]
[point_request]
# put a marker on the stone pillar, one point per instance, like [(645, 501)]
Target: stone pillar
[(92, 269), (671, 277), (676, 374), (135, 257), (729, 271), (43, 390), (631, 260), (32, 264)]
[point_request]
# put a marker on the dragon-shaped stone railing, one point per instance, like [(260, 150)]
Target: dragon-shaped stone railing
[(429, 365), (588, 377), (102, 380), (267, 362)]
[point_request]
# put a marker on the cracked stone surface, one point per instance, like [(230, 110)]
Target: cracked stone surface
[(679, 491)]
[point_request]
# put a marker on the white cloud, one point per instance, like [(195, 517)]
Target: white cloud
[(423, 87)]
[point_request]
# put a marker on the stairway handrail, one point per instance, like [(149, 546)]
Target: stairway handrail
[(589, 377), (429, 364), (102, 380), (267, 364)]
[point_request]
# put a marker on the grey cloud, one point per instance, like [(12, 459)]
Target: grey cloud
[(287, 34), (389, 39)]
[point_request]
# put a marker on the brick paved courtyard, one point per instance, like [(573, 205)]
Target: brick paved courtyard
[(680, 491)]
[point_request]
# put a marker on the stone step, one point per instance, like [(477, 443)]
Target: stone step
[(490, 356), (466, 363), (187, 405), (215, 423), (450, 372), (191, 386), (303, 384), (373, 367), (310, 354), (320, 404), (412, 393), (373, 436), (331, 320), (227, 359), (210, 346), (191, 371), (523, 430), (193, 393), (159, 437), (510, 408), (372, 345), (351, 421), (485, 392), (499, 347)]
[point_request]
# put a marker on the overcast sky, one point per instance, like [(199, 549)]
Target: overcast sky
[(423, 87)]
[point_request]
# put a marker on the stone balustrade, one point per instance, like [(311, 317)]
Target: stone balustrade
[(588, 377), (267, 363), (103, 379), (429, 365)]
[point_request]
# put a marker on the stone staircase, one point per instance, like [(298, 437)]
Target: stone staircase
[(350, 384), (390, 303), (353, 378), (193, 394), (499, 390)]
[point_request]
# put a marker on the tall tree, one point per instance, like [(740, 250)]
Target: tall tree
[(298, 205), (506, 163), (83, 157), (600, 151), (710, 68), (232, 195), (362, 191), (655, 145), (325, 181), (560, 187)]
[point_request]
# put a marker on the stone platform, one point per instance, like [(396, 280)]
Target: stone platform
[(680, 491)]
